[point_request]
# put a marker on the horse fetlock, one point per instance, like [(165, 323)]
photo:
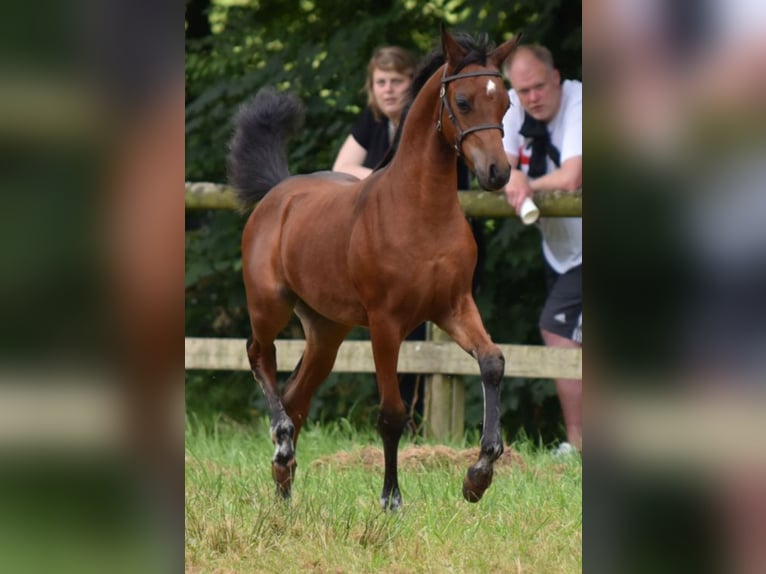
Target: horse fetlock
[(391, 501), (282, 434), (282, 431), (492, 450), (284, 452)]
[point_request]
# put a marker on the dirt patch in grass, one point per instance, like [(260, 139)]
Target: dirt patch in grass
[(414, 456)]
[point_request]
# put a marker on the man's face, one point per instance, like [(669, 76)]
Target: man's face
[(537, 86)]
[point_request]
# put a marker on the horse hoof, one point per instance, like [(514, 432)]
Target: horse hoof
[(475, 483), (282, 493), (283, 475)]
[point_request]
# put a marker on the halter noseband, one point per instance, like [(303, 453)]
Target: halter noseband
[(445, 103)]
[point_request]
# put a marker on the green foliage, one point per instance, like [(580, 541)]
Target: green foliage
[(319, 50), (215, 294)]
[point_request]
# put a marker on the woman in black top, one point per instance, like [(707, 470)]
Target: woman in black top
[(389, 75)]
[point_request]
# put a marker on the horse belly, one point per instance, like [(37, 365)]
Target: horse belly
[(334, 305), (324, 286)]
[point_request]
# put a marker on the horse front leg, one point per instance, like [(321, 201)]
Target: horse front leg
[(466, 328), (479, 476), (386, 340)]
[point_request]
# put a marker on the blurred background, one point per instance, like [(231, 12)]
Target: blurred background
[(92, 126), (91, 310), (674, 132)]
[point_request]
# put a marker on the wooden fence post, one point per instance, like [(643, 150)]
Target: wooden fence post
[(444, 409)]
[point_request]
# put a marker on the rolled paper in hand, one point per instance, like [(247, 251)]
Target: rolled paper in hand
[(529, 212)]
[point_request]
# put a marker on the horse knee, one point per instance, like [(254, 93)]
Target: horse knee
[(492, 367), (392, 422)]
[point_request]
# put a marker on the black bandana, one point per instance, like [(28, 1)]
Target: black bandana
[(542, 148)]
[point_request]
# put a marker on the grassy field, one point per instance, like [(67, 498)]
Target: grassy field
[(529, 521)]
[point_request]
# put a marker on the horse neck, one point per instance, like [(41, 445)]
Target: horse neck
[(424, 162)]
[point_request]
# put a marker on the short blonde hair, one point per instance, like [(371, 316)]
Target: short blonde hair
[(388, 59), (538, 52)]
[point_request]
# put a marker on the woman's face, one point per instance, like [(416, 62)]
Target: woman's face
[(390, 91)]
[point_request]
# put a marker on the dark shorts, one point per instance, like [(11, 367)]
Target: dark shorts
[(562, 312)]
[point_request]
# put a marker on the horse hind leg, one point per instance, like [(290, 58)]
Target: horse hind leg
[(263, 362)]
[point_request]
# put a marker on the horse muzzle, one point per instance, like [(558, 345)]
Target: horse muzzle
[(494, 177)]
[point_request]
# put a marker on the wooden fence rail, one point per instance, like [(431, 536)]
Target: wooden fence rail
[(443, 362), (204, 195), (425, 357)]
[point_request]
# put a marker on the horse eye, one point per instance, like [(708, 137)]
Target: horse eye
[(462, 104)]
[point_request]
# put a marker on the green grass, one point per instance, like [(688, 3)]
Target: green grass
[(530, 520)]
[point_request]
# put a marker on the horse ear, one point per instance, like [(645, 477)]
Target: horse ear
[(499, 54), (452, 51)]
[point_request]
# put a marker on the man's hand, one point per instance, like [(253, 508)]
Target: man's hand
[(517, 189)]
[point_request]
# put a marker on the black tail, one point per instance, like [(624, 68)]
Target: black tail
[(257, 158)]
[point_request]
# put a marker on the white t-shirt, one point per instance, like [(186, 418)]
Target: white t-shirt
[(562, 236)]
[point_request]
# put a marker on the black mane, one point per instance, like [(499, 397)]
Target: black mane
[(476, 48)]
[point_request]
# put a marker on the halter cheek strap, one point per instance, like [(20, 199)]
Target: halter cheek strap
[(451, 115)]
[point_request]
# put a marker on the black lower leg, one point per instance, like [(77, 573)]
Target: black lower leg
[(479, 476), (390, 426)]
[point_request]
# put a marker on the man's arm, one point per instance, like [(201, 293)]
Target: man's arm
[(568, 177)]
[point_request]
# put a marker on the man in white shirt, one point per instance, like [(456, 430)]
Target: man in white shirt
[(543, 140)]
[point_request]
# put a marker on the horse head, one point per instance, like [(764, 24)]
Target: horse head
[(473, 103)]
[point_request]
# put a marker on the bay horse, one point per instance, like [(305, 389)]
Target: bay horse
[(388, 252)]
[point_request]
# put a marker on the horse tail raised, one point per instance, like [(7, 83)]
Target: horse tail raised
[(257, 159)]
